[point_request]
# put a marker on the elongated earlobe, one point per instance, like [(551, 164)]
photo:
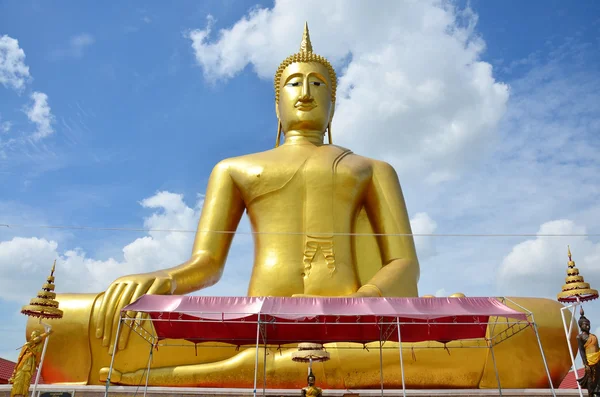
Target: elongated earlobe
[(329, 133), (278, 133)]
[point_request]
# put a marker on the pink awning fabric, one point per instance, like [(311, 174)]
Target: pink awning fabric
[(320, 320)]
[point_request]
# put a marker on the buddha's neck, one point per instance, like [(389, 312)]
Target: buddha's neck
[(304, 137)]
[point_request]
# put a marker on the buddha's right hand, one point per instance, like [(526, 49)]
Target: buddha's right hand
[(121, 293)]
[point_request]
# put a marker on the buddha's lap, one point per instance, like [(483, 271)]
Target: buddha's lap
[(517, 356)]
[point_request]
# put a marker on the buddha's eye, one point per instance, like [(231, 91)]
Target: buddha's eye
[(293, 84), (317, 83)]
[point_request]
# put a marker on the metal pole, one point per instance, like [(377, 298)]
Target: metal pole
[(148, 369), (256, 359), (265, 368), (47, 329), (401, 358), (381, 356), (537, 335), (491, 344), (568, 337), (112, 359)]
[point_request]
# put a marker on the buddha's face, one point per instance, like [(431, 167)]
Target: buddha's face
[(311, 380), (585, 326), (305, 97)]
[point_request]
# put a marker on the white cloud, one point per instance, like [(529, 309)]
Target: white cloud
[(25, 262), (14, 73), (39, 113), (414, 80), (5, 126), (421, 223), (79, 43), (539, 265), (75, 48)]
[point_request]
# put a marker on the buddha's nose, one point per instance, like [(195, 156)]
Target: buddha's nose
[(305, 89)]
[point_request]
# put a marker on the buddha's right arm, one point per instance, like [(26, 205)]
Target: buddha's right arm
[(221, 213), (222, 210), (582, 353)]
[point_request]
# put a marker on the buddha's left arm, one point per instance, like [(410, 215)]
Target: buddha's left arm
[(387, 213)]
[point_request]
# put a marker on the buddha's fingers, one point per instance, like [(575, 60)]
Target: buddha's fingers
[(123, 301), (161, 286), (132, 316), (102, 311), (109, 312)]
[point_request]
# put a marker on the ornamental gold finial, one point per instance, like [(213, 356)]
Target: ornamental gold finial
[(575, 287), (306, 45)]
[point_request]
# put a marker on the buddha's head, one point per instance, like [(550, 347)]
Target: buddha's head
[(311, 379), (305, 85)]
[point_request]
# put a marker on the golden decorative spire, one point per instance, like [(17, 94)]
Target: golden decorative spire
[(306, 45), (575, 286), (44, 305)]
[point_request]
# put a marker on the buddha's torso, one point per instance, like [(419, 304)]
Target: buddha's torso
[(590, 342), (312, 391), (302, 201)]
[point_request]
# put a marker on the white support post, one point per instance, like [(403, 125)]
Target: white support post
[(265, 366), (47, 329), (401, 358), (381, 355), (491, 345), (568, 336), (112, 359), (256, 359), (537, 335), (148, 369)]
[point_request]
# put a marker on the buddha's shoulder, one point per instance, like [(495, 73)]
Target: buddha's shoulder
[(378, 166), (250, 160)]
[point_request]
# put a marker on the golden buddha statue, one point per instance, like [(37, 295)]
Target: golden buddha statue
[(311, 390), (327, 222), (27, 363), (590, 356)]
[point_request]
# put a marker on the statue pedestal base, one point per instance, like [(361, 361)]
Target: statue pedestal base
[(131, 391)]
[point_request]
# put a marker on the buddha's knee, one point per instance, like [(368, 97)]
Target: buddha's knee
[(517, 353), (68, 356)]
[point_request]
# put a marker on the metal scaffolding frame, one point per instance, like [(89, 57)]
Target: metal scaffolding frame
[(386, 329)]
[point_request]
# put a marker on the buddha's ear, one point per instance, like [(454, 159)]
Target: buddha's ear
[(332, 112), (277, 109)]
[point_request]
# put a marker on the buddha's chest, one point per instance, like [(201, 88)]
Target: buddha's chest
[(311, 179)]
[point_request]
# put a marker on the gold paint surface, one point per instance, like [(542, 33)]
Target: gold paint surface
[(306, 200)]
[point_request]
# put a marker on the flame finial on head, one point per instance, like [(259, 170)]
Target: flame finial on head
[(306, 45)]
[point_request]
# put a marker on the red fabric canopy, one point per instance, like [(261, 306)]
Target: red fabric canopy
[(320, 320)]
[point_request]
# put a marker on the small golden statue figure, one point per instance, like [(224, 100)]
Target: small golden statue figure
[(590, 355), (28, 362), (311, 390), (43, 306)]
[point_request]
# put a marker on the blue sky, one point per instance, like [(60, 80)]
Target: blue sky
[(140, 104)]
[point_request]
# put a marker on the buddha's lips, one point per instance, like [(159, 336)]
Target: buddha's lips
[(305, 106)]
